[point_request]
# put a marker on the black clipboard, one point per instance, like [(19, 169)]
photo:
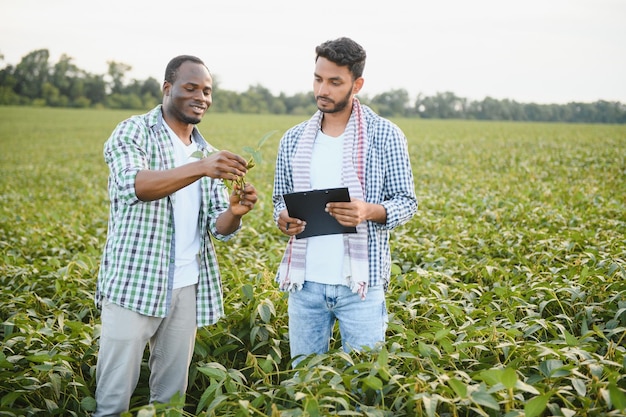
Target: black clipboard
[(310, 206)]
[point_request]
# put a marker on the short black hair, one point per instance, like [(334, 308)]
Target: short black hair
[(172, 67), (344, 52)]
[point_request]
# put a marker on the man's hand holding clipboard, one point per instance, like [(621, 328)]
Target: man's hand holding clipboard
[(308, 208)]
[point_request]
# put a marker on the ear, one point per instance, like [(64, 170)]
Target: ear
[(166, 88), (358, 84)]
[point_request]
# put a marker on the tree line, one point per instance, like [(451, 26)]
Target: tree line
[(34, 81)]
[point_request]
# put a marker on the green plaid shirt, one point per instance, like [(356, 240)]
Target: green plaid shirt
[(137, 268)]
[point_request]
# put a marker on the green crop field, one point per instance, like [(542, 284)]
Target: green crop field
[(508, 295)]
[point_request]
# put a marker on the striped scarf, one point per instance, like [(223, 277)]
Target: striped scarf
[(355, 265)]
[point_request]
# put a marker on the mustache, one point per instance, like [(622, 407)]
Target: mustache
[(317, 98)]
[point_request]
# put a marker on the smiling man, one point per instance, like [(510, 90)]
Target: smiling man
[(159, 278)]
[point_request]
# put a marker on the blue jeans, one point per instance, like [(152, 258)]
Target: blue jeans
[(314, 309)]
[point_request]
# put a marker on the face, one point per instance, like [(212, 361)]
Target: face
[(189, 97), (333, 86)]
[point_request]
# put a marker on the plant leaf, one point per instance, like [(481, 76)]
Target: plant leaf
[(535, 406)]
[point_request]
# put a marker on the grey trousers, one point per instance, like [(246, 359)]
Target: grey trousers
[(123, 340)]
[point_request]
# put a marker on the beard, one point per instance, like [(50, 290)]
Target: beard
[(176, 109), (338, 106), (189, 119)]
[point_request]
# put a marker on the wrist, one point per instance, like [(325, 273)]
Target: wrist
[(233, 212), (376, 213)]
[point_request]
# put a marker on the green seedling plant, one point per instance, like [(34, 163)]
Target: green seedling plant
[(254, 159)]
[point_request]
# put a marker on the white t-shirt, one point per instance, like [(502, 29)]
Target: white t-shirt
[(186, 213), (324, 254)]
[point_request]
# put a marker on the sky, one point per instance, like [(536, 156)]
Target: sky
[(541, 51)]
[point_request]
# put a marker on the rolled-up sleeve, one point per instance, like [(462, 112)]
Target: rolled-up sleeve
[(124, 154), (283, 178), (392, 184), (218, 202)]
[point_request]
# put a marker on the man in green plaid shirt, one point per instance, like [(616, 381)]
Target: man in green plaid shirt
[(159, 278)]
